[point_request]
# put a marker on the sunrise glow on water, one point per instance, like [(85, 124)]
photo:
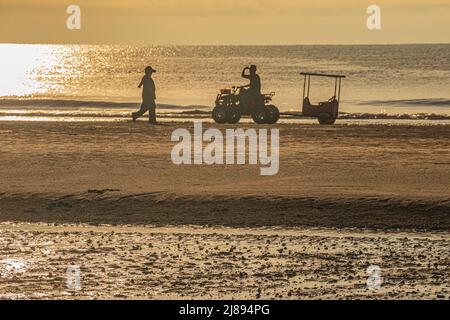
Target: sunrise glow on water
[(410, 79)]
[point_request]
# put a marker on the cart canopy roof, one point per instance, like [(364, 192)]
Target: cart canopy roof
[(322, 75)]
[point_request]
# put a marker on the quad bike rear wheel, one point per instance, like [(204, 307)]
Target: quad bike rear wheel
[(233, 115), (273, 114), (220, 115), (260, 115), (326, 119)]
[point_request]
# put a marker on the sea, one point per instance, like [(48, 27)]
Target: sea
[(76, 82)]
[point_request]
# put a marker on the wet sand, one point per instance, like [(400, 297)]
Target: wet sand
[(378, 194), (220, 263), (365, 176)]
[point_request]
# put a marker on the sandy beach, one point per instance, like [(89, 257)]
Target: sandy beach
[(239, 155), (106, 196)]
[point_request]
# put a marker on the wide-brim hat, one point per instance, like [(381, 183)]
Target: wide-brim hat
[(150, 69)]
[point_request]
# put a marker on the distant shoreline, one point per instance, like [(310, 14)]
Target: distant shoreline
[(32, 108), (227, 45)]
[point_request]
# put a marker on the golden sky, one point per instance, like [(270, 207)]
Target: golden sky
[(153, 22)]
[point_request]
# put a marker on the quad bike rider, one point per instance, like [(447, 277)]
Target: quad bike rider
[(232, 104), (254, 88)]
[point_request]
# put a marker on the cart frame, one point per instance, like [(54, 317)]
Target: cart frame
[(327, 112)]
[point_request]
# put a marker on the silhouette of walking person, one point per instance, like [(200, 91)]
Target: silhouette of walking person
[(148, 97)]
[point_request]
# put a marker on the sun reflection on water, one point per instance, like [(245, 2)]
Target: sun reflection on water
[(22, 66)]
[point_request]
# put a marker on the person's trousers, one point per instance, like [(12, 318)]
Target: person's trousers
[(149, 106)]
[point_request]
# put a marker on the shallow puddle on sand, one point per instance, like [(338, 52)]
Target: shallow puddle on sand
[(10, 267)]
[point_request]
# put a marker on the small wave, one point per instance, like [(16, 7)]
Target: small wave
[(409, 102), (196, 112), (382, 116), (199, 114), (379, 116), (112, 115), (77, 104)]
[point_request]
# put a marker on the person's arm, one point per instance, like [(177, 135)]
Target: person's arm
[(142, 83), (154, 89)]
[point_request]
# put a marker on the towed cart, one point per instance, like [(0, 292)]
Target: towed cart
[(327, 112)]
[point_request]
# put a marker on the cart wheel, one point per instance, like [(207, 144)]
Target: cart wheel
[(260, 115), (220, 115), (273, 114), (326, 119), (233, 115)]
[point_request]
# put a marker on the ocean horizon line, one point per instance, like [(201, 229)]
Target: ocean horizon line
[(227, 45)]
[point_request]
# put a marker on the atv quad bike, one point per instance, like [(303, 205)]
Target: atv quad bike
[(232, 104)]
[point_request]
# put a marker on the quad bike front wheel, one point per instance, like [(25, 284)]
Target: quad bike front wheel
[(326, 119), (273, 114), (260, 115), (220, 115), (233, 115)]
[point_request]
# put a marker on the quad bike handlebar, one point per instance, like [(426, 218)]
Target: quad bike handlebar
[(236, 89)]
